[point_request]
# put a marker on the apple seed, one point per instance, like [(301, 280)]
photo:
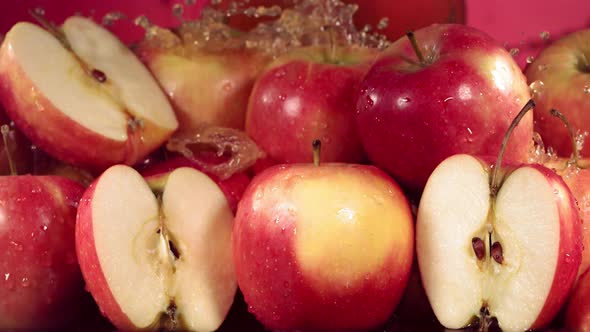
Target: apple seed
[(478, 248), (99, 75), (497, 253)]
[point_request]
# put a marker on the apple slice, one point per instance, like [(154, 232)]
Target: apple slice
[(82, 95), (503, 242), (157, 253)]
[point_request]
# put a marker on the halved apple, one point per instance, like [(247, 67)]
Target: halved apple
[(157, 253), (82, 95), (511, 254)]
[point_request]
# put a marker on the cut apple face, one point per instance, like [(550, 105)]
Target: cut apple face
[(163, 249), (80, 85), (512, 255)]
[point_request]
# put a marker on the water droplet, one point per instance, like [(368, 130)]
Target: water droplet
[(143, 21), (110, 18), (177, 10), (383, 23), (530, 59), (544, 35), (587, 89), (25, 282), (282, 97), (16, 245), (514, 51), (537, 88), (43, 228), (39, 11), (227, 87), (6, 276), (568, 259)]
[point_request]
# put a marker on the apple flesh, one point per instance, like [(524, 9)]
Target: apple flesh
[(233, 187), (514, 255), (325, 247), (157, 253), (40, 279), (206, 86), (560, 79), (308, 94), (461, 98), (92, 103)]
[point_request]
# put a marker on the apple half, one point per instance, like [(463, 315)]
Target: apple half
[(156, 252), (81, 95), (512, 255)]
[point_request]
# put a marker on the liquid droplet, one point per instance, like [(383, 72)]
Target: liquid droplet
[(16, 245), (537, 88), (542, 67), (178, 10), (514, 51), (6, 276), (110, 18), (25, 282), (383, 23), (544, 35), (530, 59), (39, 11), (587, 89)]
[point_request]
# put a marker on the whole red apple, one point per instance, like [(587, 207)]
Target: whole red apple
[(309, 93), (324, 247), (560, 79), (460, 97), (577, 316), (40, 281), (207, 83)]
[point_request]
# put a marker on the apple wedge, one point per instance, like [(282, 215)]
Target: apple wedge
[(82, 95), (157, 253)]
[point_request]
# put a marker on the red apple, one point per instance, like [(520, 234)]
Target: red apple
[(207, 84), (309, 93), (497, 240), (81, 95), (40, 281), (460, 98), (233, 187), (560, 78), (325, 247), (577, 316), (156, 252)]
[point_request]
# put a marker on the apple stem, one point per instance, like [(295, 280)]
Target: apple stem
[(574, 160), (414, 42), (5, 129), (55, 31), (494, 182), (317, 149)]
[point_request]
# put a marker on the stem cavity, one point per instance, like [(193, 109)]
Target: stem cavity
[(414, 42)]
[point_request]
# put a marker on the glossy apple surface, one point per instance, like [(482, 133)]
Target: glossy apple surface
[(461, 99), (577, 316), (560, 79), (308, 94), (40, 278), (323, 248)]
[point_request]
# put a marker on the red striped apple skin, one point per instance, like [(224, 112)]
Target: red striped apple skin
[(90, 265), (322, 273), (570, 247), (577, 317)]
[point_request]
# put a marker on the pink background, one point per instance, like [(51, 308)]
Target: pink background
[(518, 23)]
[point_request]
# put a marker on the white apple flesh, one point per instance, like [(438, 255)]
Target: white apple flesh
[(158, 254), (86, 100), (535, 220)]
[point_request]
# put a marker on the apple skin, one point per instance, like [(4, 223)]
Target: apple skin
[(40, 278), (411, 118), (41, 122), (566, 87), (570, 248), (309, 94), (205, 87), (577, 314), (233, 187), (345, 286), (90, 265)]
